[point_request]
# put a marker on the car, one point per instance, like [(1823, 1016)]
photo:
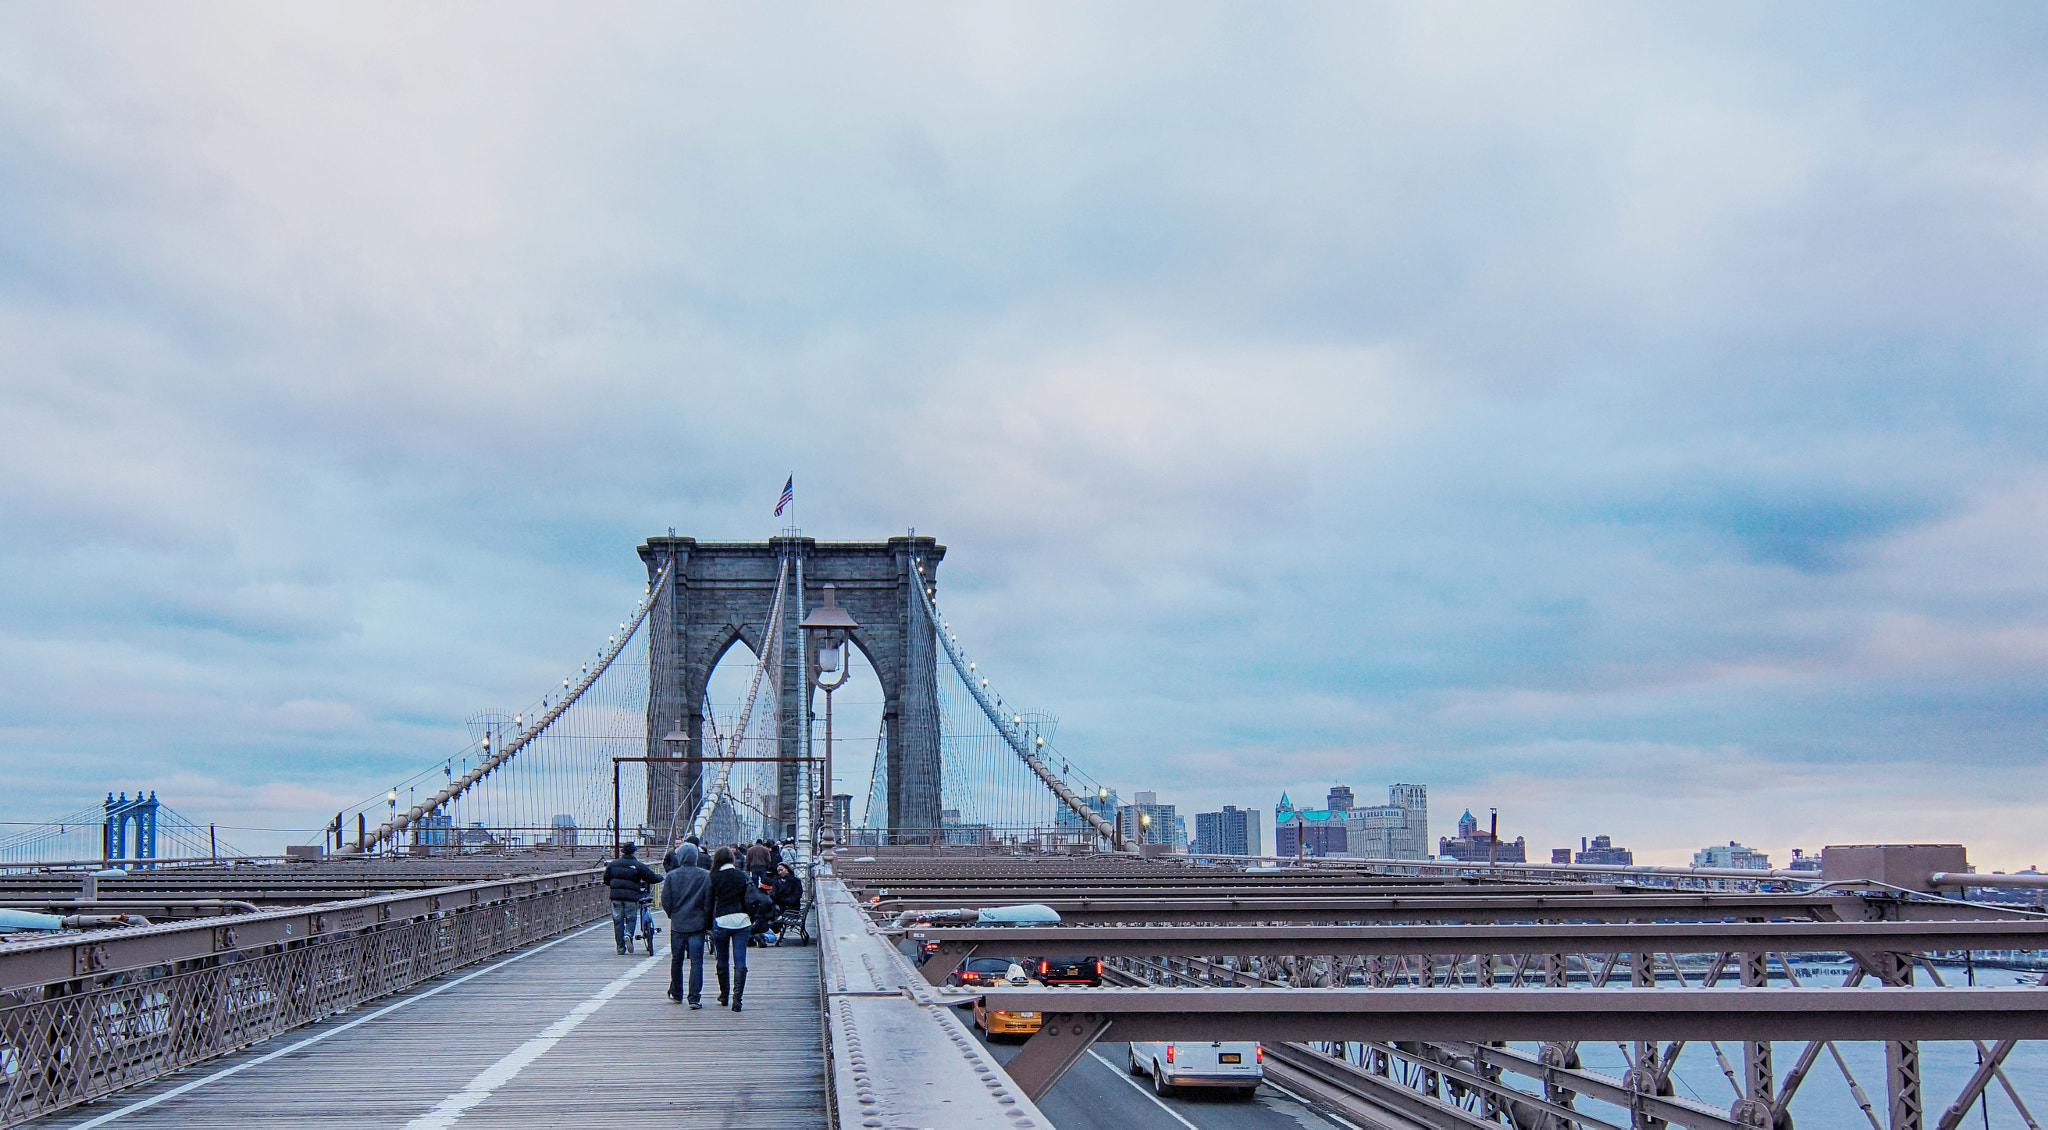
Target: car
[(1239, 1065), (1070, 971), (981, 971), (926, 947), (998, 1022)]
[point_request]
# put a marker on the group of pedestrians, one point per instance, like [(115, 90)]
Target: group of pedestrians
[(707, 898)]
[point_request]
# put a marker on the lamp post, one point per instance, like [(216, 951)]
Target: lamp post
[(830, 628), (392, 800)]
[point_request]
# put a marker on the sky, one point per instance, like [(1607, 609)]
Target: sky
[(1627, 416)]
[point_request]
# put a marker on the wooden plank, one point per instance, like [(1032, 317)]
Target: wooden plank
[(637, 1056)]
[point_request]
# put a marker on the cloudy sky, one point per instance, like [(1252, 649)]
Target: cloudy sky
[(1628, 416)]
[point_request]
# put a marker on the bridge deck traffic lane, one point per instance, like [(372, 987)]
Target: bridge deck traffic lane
[(401, 1058), (1098, 1094)]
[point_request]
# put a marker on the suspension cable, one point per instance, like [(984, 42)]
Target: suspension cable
[(1014, 739), (509, 749)]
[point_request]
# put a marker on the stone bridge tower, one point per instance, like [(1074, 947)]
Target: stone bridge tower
[(722, 593)]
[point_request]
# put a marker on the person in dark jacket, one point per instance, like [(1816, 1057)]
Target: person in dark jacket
[(758, 860), (789, 890), (766, 913), (686, 899), (730, 922), (628, 879)]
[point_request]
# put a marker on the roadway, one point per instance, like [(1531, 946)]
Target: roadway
[(1099, 1094)]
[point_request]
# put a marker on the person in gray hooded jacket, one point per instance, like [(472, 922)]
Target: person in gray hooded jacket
[(686, 899)]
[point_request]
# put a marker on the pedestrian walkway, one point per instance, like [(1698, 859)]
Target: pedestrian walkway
[(563, 1033)]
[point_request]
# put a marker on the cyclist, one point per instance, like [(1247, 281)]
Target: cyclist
[(628, 879)]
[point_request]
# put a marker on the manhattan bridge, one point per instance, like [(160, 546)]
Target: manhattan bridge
[(438, 955)]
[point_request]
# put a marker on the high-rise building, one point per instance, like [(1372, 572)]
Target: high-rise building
[(1233, 831), (1602, 850), (1398, 829), (1734, 855), (1146, 821), (1414, 800)]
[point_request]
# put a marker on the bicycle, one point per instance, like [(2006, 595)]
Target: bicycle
[(644, 927)]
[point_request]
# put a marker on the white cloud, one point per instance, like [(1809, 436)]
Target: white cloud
[(1424, 390)]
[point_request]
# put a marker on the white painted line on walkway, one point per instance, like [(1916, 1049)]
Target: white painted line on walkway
[(195, 1084), (500, 1073), (1142, 1089)]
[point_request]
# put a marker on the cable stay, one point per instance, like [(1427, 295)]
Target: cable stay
[(509, 748), (1013, 736)]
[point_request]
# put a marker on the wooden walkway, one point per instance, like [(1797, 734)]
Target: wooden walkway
[(564, 1033)]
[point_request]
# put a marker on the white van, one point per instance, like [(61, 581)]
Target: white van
[(1238, 1064)]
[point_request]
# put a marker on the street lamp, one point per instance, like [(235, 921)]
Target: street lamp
[(830, 628), (677, 742), (392, 800)]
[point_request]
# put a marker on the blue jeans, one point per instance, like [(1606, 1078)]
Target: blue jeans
[(723, 940), (678, 945), (625, 915)]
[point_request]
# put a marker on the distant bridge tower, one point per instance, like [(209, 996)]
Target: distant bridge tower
[(722, 593), (121, 813)]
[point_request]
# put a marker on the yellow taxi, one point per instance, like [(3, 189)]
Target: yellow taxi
[(1003, 1022)]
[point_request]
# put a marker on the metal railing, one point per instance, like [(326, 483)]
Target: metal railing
[(84, 1015)]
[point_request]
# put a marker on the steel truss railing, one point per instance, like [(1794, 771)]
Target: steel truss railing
[(87, 1015), (1374, 1011)]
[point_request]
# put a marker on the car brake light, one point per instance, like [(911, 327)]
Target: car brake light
[(1169, 1053), (1258, 1053), (1098, 967), (1043, 967)]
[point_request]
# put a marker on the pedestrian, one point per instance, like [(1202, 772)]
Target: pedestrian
[(758, 864), (668, 862), (686, 899), (729, 921), (774, 853), (628, 879), (789, 890), (761, 904)]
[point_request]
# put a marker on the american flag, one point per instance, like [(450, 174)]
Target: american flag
[(788, 496)]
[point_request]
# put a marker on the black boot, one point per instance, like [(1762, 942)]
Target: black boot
[(739, 988), (723, 989)]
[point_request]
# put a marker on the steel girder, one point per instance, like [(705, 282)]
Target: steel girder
[(1752, 939), (1893, 1014)]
